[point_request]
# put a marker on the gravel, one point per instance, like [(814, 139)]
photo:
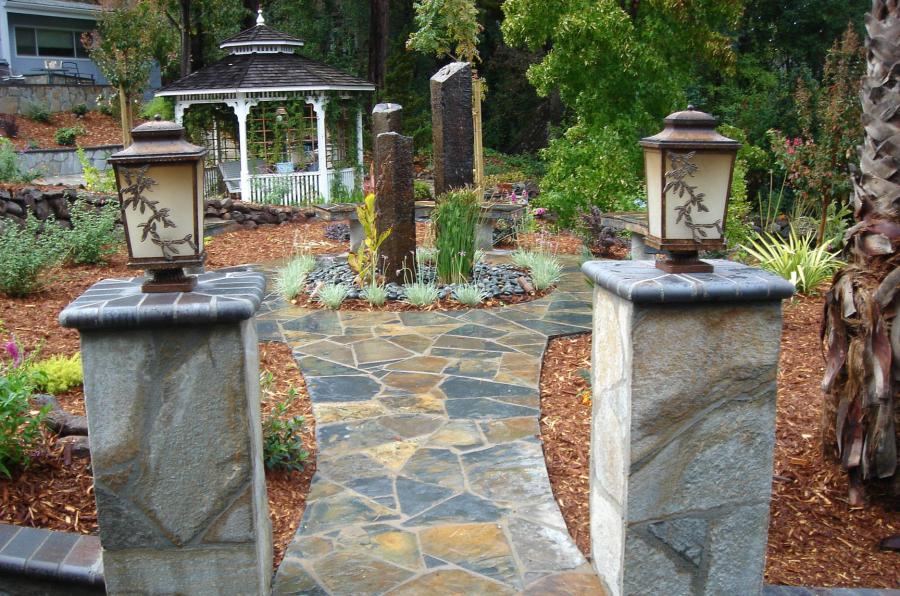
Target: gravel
[(495, 280)]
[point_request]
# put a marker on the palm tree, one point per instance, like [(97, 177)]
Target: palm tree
[(860, 418)]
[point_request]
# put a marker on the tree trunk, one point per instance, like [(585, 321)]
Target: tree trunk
[(185, 37), (860, 332), (126, 117), (378, 41)]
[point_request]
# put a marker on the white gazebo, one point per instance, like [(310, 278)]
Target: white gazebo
[(262, 66)]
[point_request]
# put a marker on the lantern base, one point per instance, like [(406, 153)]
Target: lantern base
[(169, 280), (683, 262)]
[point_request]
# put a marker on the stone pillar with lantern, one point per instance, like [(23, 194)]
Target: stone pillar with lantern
[(684, 365), (171, 382)]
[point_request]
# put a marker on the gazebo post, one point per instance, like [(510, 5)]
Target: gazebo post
[(359, 147), (318, 103), (241, 107), (180, 106)]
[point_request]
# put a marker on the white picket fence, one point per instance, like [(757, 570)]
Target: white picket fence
[(296, 188)]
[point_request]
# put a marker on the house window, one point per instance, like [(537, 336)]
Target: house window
[(55, 43)]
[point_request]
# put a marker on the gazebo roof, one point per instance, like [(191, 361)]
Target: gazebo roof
[(262, 60)]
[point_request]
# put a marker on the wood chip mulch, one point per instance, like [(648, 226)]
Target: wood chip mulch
[(815, 538), (100, 129)]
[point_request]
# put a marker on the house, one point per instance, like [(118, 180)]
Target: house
[(41, 41)]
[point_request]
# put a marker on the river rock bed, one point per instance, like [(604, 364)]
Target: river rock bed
[(496, 280)]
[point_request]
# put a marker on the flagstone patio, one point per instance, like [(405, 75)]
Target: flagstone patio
[(430, 474)]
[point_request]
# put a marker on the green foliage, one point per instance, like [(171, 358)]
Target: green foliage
[(290, 279), (738, 225), (425, 255), (545, 271), (282, 442), (96, 180), (421, 190), (80, 109), (10, 170), (67, 135), (524, 259), (456, 216), (446, 28), (375, 294), (93, 235), (20, 427), (270, 191), (794, 259), (421, 293), (365, 260), (469, 294), (38, 113), (57, 374), (28, 251), (332, 295), (164, 107)]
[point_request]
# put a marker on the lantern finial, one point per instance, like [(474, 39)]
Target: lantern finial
[(259, 18)]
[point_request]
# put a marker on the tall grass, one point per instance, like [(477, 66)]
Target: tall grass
[(291, 278), (456, 217), (795, 259)]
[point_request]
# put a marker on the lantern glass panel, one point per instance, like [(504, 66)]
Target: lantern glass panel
[(706, 173), (654, 173), (172, 186)]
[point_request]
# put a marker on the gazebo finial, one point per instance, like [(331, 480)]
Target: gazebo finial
[(259, 18)]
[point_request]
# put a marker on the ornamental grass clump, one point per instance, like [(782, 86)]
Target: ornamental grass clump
[(545, 271), (795, 259), (523, 259), (421, 293), (375, 294), (291, 278), (469, 294), (456, 217), (332, 295)]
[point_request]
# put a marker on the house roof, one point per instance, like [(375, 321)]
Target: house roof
[(57, 8), (259, 71), (260, 34)]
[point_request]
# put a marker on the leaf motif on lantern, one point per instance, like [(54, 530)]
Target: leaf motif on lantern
[(137, 182), (683, 167)]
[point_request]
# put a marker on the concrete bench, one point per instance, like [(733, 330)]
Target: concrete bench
[(636, 223), (491, 213)]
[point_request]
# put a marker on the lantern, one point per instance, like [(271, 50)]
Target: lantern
[(688, 169), (160, 182)]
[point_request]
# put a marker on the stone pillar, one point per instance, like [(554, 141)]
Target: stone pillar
[(452, 128), (683, 426), (396, 206), (387, 117), (171, 385)]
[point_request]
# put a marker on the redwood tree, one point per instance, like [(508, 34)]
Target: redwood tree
[(860, 334)]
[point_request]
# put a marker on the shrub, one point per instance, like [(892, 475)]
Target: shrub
[(332, 295), (162, 106), (96, 180), (545, 271), (375, 294), (26, 252), (794, 259), (80, 110), (38, 113), (282, 443), (421, 191), (20, 425), (93, 235), (469, 294), (291, 278), (456, 218), (421, 293), (58, 374), (10, 170), (9, 125), (67, 135)]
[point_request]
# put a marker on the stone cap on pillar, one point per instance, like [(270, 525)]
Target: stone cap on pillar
[(224, 296), (642, 283)]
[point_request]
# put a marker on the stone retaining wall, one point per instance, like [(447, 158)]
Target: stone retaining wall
[(15, 99), (250, 215), (64, 162)]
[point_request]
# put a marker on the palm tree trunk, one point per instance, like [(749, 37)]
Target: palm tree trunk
[(862, 341)]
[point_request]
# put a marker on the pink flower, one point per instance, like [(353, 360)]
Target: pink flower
[(798, 141), (790, 151), (13, 350)]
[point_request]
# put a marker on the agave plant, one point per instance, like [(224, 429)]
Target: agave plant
[(860, 328)]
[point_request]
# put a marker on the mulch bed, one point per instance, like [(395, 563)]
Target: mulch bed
[(100, 129), (443, 305), (815, 537)]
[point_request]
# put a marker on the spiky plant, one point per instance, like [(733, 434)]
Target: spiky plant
[(862, 339)]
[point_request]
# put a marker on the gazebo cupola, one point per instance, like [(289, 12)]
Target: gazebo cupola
[(263, 65)]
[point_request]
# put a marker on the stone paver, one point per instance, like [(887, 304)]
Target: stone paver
[(430, 474)]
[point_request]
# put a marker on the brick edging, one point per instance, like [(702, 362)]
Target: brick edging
[(62, 557)]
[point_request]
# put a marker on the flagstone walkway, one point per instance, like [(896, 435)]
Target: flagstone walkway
[(430, 475)]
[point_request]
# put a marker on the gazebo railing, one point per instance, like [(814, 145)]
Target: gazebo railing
[(295, 188), (347, 177)]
